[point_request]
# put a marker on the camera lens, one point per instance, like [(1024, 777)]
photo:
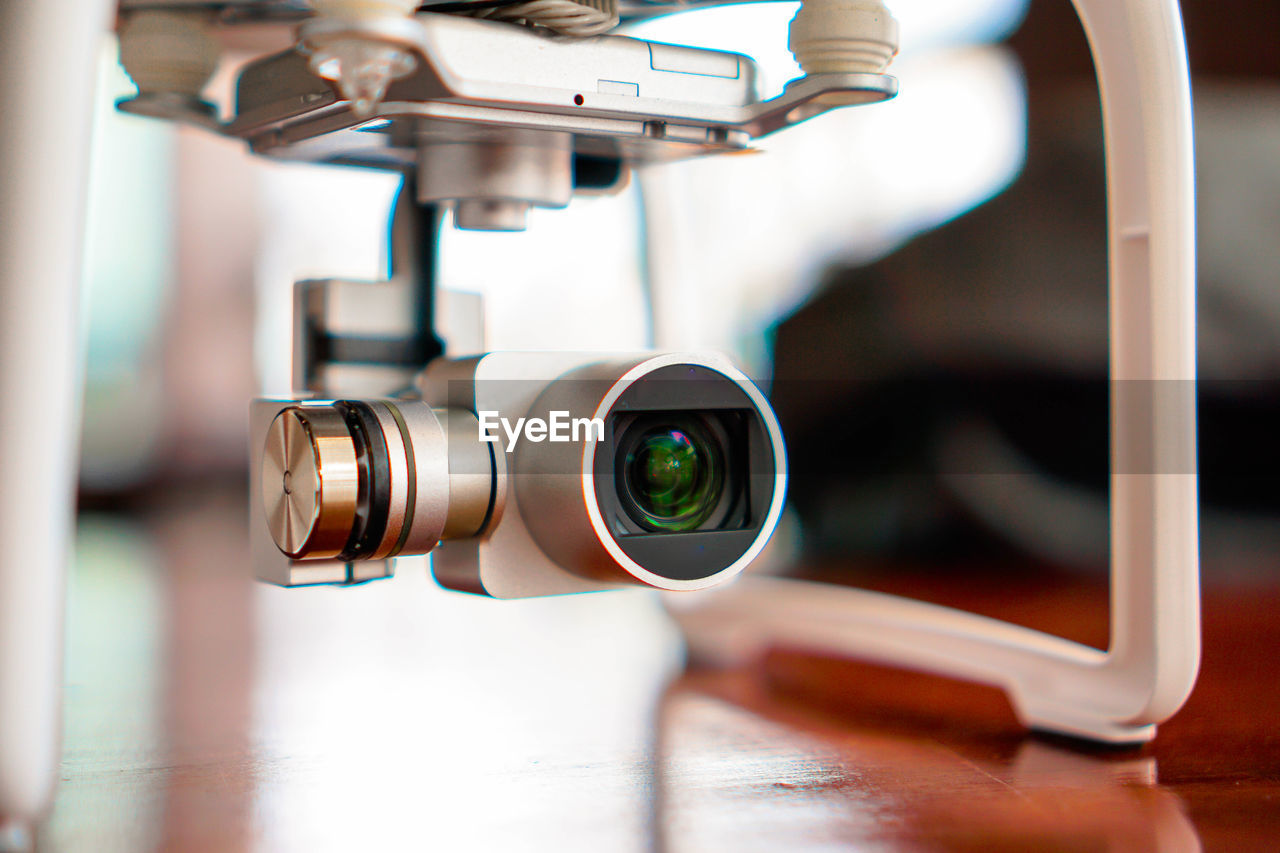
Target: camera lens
[(678, 487), (672, 475)]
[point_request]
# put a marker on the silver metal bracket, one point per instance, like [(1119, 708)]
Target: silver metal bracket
[(619, 97)]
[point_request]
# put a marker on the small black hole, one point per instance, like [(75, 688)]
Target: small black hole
[(578, 99)]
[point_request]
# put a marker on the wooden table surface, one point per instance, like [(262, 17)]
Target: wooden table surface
[(205, 712)]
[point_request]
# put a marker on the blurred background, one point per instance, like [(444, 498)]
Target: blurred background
[(929, 274)]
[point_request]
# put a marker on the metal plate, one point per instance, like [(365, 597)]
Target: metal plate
[(620, 97)]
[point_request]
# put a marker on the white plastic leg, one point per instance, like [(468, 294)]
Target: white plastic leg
[(48, 55), (1118, 695)]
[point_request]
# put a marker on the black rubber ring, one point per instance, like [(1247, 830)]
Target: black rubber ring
[(373, 504)]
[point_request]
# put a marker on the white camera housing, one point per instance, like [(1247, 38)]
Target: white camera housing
[(550, 536)]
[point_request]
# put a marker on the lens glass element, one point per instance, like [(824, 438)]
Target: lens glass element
[(673, 475)]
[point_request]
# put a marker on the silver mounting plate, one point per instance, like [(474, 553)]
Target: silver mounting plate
[(620, 97)]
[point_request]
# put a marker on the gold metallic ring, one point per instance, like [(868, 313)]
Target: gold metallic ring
[(310, 482)]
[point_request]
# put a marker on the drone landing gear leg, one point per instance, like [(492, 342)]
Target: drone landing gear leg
[(48, 53)]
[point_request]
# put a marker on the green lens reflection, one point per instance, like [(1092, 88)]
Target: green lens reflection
[(675, 477)]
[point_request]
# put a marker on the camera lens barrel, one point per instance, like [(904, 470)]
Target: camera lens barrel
[(680, 487), (359, 480)]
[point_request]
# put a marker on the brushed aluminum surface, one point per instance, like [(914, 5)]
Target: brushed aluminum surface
[(310, 482)]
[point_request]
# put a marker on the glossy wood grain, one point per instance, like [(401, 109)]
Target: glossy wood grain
[(205, 712)]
